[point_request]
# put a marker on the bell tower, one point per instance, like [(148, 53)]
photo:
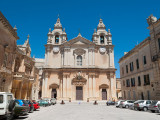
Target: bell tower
[(101, 36), (58, 36)]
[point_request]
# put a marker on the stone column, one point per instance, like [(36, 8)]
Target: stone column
[(46, 84), (94, 86), (90, 57), (90, 86), (65, 57), (64, 86), (61, 82), (111, 58), (113, 85), (93, 52), (47, 55), (62, 63)]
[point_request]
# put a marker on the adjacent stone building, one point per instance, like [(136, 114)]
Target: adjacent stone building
[(139, 68), (8, 38), (17, 71), (25, 76), (79, 69), (118, 88)]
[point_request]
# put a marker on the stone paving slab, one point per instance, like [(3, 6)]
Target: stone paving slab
[(88, 112)]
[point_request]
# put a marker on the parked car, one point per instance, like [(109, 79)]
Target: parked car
[(142, 104), (23, 103), (53, 101), (43, 103), (7, 105), (110, 103), (154, 106), (159, 107), (48, 100), (30, 105), (118, 103), (20, 109), (127, 103), (36, 105)]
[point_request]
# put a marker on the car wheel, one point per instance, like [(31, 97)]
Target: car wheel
[(145, 108), (9, 116), (152, 111), (135, 109), (127, 106), (11, 105)]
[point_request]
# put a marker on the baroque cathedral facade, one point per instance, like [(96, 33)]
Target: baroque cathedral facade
[(79, 69)]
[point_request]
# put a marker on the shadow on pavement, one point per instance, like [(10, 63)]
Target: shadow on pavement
[(21, 118)]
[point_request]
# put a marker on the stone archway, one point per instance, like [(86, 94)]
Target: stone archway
[(54, 88), (103, 88), (79, 82)]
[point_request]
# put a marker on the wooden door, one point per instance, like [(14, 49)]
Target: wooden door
[(79, 93), (104, 94)]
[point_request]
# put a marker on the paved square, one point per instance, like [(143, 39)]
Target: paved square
[(89, 112)]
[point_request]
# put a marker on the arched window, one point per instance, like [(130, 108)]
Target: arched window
[(57, 39), (79, 60), (102, 39)]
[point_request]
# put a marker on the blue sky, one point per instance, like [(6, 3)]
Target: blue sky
[(125, 18)]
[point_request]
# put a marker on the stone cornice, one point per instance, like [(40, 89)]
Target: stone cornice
[(80, 69), (7, 25)]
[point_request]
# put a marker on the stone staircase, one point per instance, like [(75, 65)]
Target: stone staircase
[(78, 102)]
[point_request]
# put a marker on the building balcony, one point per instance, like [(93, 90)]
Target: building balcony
[(18, 75)]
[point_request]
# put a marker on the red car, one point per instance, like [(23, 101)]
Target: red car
[(36, 105)]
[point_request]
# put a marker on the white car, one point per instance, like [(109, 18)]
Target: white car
[(7, 105), (127, 103), (53, 101), (153, 107), (118, 103)]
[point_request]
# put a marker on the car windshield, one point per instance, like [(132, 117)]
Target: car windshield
[(1, 98), (154, 102), (140, 101)]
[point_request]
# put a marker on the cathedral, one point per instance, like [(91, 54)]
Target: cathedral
[(79, 69)]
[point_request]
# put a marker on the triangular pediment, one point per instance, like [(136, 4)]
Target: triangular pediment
[(79, 41)]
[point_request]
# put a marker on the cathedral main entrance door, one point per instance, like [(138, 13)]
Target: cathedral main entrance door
[(79, 93), (104, 94), (54, 93)]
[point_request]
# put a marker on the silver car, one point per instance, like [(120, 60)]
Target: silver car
[(118, 103), (142, 104), (53, 101), (154, 106), (127, 103)]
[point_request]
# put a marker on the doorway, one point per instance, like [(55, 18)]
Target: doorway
[(79, 93), (54, 93), (104, 94)]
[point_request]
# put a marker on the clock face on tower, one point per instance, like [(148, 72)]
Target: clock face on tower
[(102, 49), (55, 49)]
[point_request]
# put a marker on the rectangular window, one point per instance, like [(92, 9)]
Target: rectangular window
[(144, 60), (132, 82), (146, 80), (122, 71), (127, 83), (126, 68), (159, 43), (137, 63), (139, 81), (9, 98), (1, 98), (131, 66), (123, 82)]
